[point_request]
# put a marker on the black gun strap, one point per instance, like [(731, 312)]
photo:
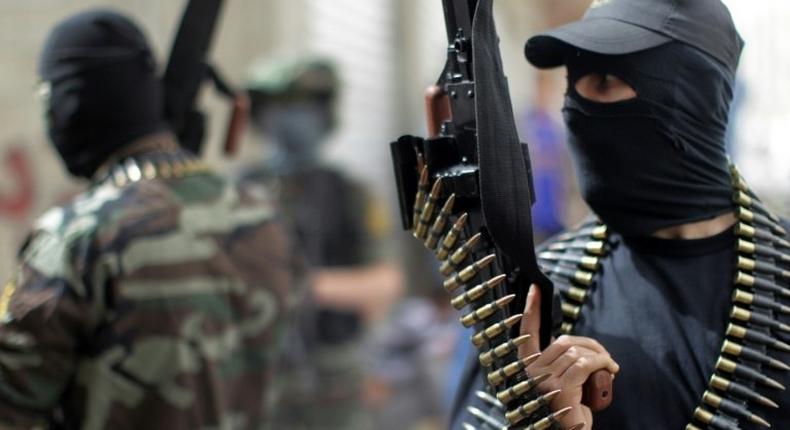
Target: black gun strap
[(504, 175)]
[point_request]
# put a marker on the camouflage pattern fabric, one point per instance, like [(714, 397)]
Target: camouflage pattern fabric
[(154, 305)]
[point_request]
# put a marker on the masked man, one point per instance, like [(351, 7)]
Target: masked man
[(154, 299), (682, 282)]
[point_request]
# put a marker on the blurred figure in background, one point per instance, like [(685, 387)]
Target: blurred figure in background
[(338, 226), (154, 299)]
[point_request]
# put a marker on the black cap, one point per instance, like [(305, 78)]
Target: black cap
[(615, 27)]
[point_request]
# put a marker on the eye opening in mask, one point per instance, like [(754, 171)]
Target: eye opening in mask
[(604, 87)]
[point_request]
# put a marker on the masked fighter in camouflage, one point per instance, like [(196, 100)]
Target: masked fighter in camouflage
[(154, 299)]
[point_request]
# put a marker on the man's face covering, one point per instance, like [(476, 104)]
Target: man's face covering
[(104, 91), (659, 159)]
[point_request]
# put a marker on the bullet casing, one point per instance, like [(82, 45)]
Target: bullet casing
[(477, 292), (493, 331)]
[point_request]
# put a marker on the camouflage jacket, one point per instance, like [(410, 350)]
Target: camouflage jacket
[(155, 304)]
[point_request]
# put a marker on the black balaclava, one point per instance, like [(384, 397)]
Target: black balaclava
[(657, 160), (104, 90)]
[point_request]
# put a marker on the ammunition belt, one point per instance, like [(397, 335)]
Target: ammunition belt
[(573, 261), (157, 164)]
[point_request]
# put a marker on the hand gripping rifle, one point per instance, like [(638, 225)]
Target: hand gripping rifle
[(187, 70), (482, 173)]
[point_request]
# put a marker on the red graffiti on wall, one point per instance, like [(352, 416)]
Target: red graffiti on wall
[(16, 168)]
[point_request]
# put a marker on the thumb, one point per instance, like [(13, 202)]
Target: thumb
[(530, 323)]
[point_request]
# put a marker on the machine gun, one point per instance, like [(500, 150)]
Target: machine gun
[(187, 70), (482, 233)]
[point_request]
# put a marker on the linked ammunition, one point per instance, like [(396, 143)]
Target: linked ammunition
[(584, 261), (421, 231), (484, 312), (489, 399), (737, 350), (493, 331), (419, 200), (762, 267), (714, 420), (550, 420), (438, 225), (119, 177), (133, 171), (741, 332), (751, 248), (742, 391), (468, 273), (487, 358), (742, 278), (165, 170), (595, 247), (741, 296), (756, 218), (747, 231), (571, 311), (581, 276), (499, 376), (507, 395), (460, 254), (595, 231), (735, 409), (566, 328), (575, 293), (744, 199), (744, 371), (477, 292), (485, 418), (526, 410), (451, 237)]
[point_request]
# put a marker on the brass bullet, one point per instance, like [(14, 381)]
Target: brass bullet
[(507, 395), (742, 278), (737, 350), (419, 199), (760, 219), (468, 273), (744, 371), (762, 267), (119, 177), (741, 296), (595, 231), (583, 261), (485, 418), (165, 171), (692, 427), (459, 255), (451, 237), (477, 292), (742, 391), (595, 247), (566, 328), (438, 225), (489, 399), (717, 402), (499, 376), (747, 231), (571, 311), (717, 421), (575, 293), (421, 231), (742, 314), (526, 410), (485, 312), (491, 332), (149, 171), (734, 330), (582, 277), (550, 420), (487, 358)]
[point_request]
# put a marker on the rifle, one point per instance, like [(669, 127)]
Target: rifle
[(482, 172), (187, 70)]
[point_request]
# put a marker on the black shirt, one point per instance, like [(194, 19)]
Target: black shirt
[(661, 308)]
